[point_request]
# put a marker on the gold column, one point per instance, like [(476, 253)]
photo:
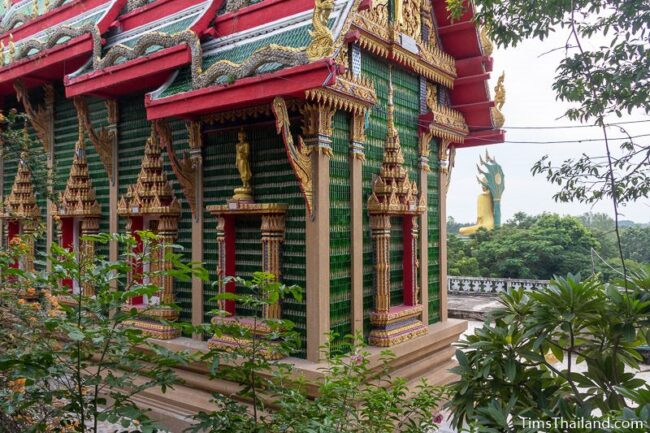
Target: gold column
[(443, 173), (380, 226), (221, 258), (317, 131), (357, 141), (272, 238), (89, 226), (28, 231), (167, 232), (113, 191), (424, 152)]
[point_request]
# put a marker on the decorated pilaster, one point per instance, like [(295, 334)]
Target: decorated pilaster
[(424, 169), (195, 136), (317, 132), (273, 227), (444, 152), (357, 142)]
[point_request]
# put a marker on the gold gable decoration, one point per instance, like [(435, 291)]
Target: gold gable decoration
[(393, 193), (152, 193), (78, 199), (21, 202)]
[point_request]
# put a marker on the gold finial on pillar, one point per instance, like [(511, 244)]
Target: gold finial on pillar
[(243, 193), (12, 47)]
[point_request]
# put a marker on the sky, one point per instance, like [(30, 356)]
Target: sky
[(530, 101)]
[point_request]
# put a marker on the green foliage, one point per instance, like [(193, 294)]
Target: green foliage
[(506, 368), (608, 76), (77, 360), (356, 393), (525, 247)]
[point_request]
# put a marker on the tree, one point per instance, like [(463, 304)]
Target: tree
[(459, 257), (508, 374), (636, 243), (535, 247), (70, 361), (609, 79)]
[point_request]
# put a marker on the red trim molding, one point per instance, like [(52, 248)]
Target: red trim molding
[(260, 13), (289, 82), (61, 14), (101, 81), (47, 59)]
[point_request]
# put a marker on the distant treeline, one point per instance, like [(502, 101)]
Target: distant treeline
[(545, 245)]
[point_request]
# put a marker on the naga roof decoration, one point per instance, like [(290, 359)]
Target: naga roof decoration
[(21, 202), (269, 47), (152, 194), (166, 30), (21, 12), (61, 39)]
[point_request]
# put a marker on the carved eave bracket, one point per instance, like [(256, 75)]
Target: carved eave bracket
[(42, 116), (498, 119), (348, 93), (185, 169), (103, 139), (299, 156)]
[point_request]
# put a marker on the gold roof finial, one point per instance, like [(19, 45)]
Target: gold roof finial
[(12, 47), (390, 115), (500, 92)]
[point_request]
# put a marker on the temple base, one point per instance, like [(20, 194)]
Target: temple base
[(397, 325), (154, 329), (251, 329)]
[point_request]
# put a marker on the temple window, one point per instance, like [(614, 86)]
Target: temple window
[(261, 226), (21, 213), (394, 202), (78, 212), (150, 205)]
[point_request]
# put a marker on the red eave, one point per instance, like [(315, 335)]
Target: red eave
[(260, 13), (61, 14), (247, 91), (146, 73), (470, 94), (47, 65), (482, 138)]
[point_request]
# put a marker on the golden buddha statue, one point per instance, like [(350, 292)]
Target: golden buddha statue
[(242, 161), (484, 211), (488, 205)]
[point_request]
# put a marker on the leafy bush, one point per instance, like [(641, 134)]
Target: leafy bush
[(506, 368)]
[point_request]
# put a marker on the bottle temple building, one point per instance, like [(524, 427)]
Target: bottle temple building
[(312, 139)]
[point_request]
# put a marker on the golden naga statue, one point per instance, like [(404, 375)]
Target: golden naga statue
[(489, 201), (242, 161), (500, 92)]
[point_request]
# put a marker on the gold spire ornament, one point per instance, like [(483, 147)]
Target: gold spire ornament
[(499, 101), (322, 41), (12, 47), (243, 193)]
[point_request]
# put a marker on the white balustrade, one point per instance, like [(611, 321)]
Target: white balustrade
[(490, 286)]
